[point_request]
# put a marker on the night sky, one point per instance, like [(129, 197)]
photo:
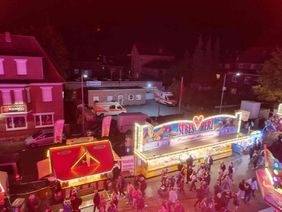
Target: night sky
[(115, 25)]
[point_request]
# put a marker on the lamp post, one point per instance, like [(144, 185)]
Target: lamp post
[(82, 100), (224, 82)]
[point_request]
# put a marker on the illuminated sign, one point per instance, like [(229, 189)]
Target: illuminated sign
[(279, 111), (13, 109), (176, 132)]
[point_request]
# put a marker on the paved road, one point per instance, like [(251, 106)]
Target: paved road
[(153, 200)]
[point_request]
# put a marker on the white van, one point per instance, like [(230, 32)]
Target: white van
[(126, 121), (108, 108)]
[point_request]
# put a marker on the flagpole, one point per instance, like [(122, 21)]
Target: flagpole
[(181, 94)]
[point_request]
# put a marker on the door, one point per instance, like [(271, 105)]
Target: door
[(120, 99)]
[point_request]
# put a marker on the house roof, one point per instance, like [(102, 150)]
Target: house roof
[(21, 45), (70, 162), (158, 64), (152, 49)]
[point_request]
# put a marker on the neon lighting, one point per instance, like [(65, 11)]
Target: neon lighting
[(279, 111), (88, 158), (269, 176), (2, 190), (276, 165), (275, 171), (275, 179), (198, 120)]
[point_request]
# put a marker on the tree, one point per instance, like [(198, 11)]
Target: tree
[(269, 86), (53, 44)]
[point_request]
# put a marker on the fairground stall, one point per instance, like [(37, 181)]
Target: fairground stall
[(168, 144), (270, 178), (85, 166)]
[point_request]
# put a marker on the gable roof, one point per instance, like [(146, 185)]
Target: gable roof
[(152, 49), (21, 45)]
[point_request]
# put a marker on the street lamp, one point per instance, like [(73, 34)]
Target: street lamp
[(82, 100), (224, 82)]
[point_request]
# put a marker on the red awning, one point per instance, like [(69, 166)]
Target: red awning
[(81, 160)]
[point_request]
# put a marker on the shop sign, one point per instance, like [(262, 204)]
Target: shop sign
[(127, 164), (279, 111), (223, 124), (13, 108)]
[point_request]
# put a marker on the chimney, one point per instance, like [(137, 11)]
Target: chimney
[(8, 38)]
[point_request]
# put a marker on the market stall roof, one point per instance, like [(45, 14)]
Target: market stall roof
[(81, 160)]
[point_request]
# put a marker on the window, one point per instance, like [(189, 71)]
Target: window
[(95, 98), (109, 98), (18, 93), (130, 97), (16, 122), (6, 97), (1, 66), (138, 97), (21, 66), (44, 120), (47, 94), (28, 95)]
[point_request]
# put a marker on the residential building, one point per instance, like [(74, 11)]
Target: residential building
[(150, 61), (31, 88)]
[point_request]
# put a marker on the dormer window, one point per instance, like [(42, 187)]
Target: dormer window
[(21, 66)]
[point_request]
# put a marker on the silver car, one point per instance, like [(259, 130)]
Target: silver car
[(41, 138)]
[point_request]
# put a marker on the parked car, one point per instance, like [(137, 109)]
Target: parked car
[(108, 108), (41, 138)]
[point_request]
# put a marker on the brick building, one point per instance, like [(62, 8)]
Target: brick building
[(31, 88)]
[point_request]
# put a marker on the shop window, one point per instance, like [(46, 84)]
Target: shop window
[(44, 120), (21, 66), (47, 94), (138, 97), (95, 98), (109, 98), (1, 66), (130, 97), (18, 94), (16, 122), (6, 97)]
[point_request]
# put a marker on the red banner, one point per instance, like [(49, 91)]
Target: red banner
[(106, 126), (58, 130)]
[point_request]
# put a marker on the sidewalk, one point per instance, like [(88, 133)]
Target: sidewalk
[(154, 201)]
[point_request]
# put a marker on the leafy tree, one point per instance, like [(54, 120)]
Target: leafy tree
[(53, 44), (269, 86)]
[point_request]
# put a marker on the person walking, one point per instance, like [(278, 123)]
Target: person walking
[(129, 190), (115, 198), (200, 196), (121, 185), (140, 204), (172, 197), (112, 207), (254, 186), (102, 204), (179, 207), (231, 170), (235, 201), (96, 200), (193, 181), (165, 207), (143, 185), (217, 188), (241, 192), (248, 192), (222, 166), (188, 174)]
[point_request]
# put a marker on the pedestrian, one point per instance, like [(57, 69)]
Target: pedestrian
[(172, 197), (112, 207), (200, 196), (193, 181), (251, 152), (134, 196), (207, 205), (115, 198), (171, 182), (32, 203), (217, 188), (189, 161), (140, 204), (121, 185), (179, 207), (241, 192), (188, 174), (231, 170), (102, 204), (66, 206), (209, 161), (164, 176), (143, 185), (254, 185), (207, 178), (129, 190), (75, 202), (165, 207), (235, 201), (222, 166), (248, 191), (96, 200), (226, 183), (255, 159), (219, 203)]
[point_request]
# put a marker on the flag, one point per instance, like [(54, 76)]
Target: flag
[(181, 93), (58, 130), (106, 124)]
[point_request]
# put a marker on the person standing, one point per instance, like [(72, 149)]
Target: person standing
[(193, 181), (172, 197), (254, 186), (143, 185), (188, 174), (248, 192), (222, 166), (96, 200), (129, 190), (121, 185), (231, 170), (241, 192), (189, 161), (102, 204)]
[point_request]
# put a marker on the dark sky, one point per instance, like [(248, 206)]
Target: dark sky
[(238, 23)]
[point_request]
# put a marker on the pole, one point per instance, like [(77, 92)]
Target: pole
[(222, 93), (181, 95), (82, 102)]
